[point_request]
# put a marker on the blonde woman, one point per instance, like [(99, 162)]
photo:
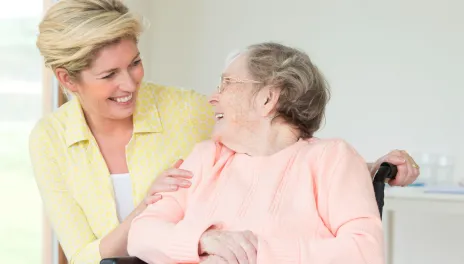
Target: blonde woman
[(108, 152)]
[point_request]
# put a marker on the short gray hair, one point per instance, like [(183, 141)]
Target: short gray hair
[(304, 92)]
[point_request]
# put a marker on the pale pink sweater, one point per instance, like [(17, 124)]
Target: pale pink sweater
[(312, 202)]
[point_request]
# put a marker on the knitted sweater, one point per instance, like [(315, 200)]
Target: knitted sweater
[(312, 202)]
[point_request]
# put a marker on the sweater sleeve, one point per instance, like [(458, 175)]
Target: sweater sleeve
[(348, 208), (66, 216), (160, 232)]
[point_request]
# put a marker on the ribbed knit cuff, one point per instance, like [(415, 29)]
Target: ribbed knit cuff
[(185, 241)]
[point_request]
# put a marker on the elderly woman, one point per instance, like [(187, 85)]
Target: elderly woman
[(264, 189)]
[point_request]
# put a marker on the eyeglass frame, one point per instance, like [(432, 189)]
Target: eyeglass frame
[(230, 80)]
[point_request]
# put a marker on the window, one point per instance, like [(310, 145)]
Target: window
[(21, 90)]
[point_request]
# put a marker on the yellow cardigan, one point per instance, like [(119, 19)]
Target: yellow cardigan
[(72, 175)]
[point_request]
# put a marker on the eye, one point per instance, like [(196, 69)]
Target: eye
[(137, 62), (226, 80), (108, 76)]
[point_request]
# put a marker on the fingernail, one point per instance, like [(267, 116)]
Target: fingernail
[(186, 183)]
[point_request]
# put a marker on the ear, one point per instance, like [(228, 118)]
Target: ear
[(268, 100), (65, 79)]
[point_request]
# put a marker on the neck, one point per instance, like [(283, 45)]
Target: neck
[(271, 139), (108, 127)]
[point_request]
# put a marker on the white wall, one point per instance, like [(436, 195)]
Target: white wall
[(144, 9), (395, 68)]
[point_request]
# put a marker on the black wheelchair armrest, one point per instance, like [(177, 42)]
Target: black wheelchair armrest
[(122, 260), (385, 173)]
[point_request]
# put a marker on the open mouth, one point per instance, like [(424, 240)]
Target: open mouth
[(219, 116), (122, 100)]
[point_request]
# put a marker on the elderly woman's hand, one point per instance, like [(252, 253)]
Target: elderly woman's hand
[(408, 170), (212, 259), (233, 247), (169, 181)]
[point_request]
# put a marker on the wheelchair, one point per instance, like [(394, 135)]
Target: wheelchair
[(386, 172)]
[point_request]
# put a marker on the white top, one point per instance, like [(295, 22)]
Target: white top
[(123, 194)]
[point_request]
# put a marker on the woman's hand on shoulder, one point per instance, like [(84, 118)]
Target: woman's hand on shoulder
[(169, 181)]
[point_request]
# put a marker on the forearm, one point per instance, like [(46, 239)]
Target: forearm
[(115, 243), (360, 244), (160, 231)]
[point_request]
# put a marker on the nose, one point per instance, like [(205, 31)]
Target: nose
[(214, 98), (128, 83)]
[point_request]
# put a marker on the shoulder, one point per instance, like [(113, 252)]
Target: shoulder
[(329, 151), (206, 148), (329, 145), (210, 153), (332, 158), (52, 125)]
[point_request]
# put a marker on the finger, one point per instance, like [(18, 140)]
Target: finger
[(178, 163), (158, 188), (226, 253), (238, 244), (207, 260), (402, 175), (173, 172), (249, 243), (168, 186), (407, 180), (409, 166), (218, 246), (415, 170), (212, 259), (153, 199), (411, 171), (395, 159), (176, 181), (402, 171), (252, 238)]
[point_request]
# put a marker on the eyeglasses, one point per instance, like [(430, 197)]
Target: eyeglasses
[(230, 80)]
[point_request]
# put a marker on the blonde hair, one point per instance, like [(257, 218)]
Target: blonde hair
[(73, 31)]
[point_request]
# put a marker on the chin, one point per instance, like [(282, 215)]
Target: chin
[(120, 115), (216, 137)]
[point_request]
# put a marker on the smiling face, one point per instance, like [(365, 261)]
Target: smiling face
[(237, 106), (108, 88)]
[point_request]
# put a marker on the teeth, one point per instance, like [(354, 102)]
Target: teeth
[(219, 116), (123, 99)]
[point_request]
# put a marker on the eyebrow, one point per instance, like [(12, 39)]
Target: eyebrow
[(115, 69)]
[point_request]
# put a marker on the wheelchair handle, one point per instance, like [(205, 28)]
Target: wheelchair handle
[(385, 173)]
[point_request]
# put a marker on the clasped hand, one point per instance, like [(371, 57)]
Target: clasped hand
[(228, 247)]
